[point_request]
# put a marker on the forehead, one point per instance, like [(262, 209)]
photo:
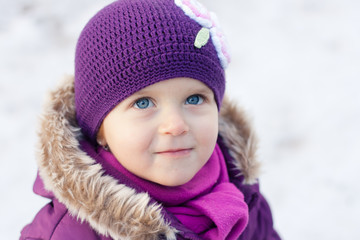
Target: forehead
[(177, 85)]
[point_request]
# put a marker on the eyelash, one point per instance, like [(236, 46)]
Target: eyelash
[(201, 99), (151, 102)]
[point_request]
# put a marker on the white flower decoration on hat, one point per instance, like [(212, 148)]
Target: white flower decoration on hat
[(208, 20)]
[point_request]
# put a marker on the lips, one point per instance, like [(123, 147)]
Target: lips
[(181, 152)]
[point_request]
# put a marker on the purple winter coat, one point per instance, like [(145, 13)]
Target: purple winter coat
[(86, 202)]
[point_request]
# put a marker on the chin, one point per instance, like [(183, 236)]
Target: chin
[(174, 182)]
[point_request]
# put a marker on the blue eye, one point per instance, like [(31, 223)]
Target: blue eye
[(194, 100), (143, 103)]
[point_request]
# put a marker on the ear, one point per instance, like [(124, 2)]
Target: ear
[(100, 138)]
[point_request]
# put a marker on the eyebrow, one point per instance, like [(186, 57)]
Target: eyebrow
[(198, 89), (141, 92), (203, 90)]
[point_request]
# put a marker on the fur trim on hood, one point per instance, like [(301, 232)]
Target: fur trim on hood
[(111, 208)]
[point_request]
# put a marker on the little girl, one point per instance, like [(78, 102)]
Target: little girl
[(139, 144)]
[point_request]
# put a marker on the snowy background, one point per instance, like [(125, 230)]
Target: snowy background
[(295, 69)]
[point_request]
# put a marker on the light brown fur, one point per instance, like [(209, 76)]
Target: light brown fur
[(111, 208)]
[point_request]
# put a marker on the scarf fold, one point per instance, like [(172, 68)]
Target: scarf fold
[(208, 204)]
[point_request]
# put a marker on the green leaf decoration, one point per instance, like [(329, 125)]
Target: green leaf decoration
[(202, 37)]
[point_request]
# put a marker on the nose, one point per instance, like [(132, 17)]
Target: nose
[(173, 123)]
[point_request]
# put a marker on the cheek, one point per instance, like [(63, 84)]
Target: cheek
[(128, 140), (131, 150), (207, 134)]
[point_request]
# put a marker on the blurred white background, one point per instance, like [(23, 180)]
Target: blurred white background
[(295, 69)]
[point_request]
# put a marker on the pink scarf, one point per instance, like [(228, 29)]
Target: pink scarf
[(208, 204)]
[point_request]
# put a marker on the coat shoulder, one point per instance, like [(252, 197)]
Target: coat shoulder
[(54, 222)]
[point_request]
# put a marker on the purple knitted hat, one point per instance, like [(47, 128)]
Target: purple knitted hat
[(131, 44)]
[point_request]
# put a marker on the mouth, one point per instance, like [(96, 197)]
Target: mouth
[(181, 152)]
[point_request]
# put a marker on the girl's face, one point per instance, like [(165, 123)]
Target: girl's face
[(164, 133)]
